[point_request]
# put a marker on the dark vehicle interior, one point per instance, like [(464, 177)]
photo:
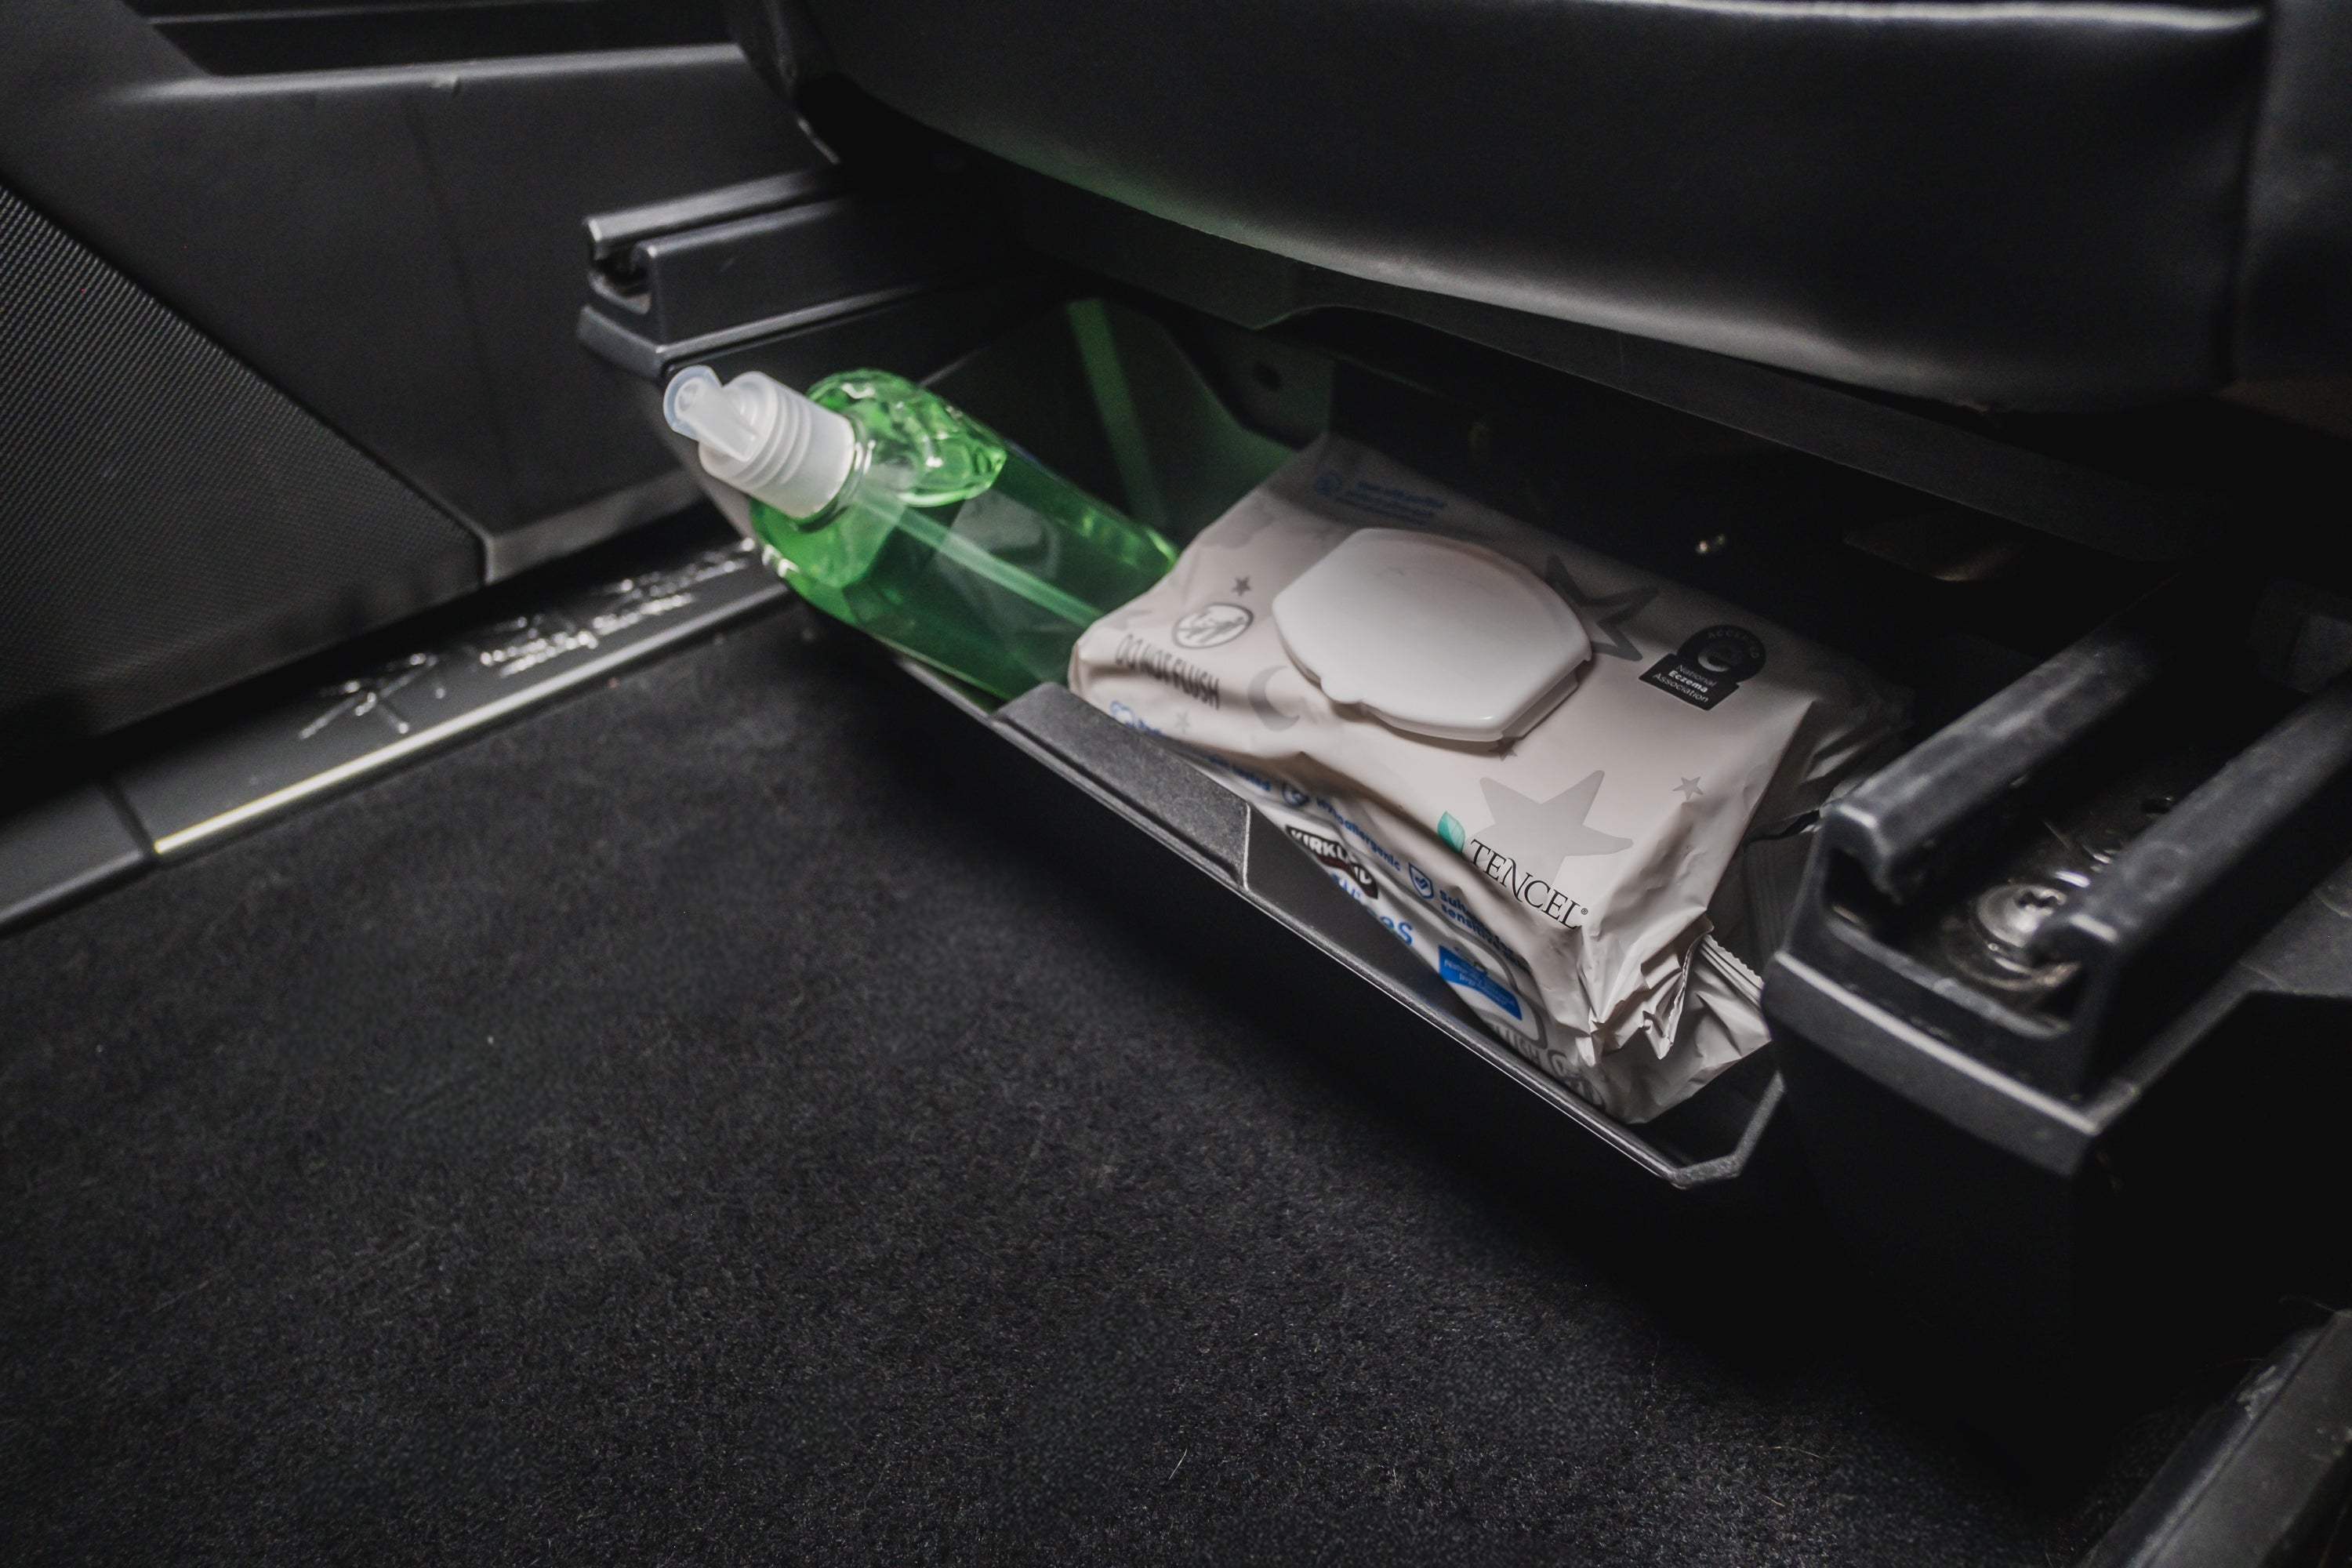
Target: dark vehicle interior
[(524, 1038)]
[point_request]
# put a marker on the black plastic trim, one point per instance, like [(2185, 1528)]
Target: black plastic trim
[(64, 850), (2257, 1480)]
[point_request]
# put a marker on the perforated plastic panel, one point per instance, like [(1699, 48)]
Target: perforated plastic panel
[(170, 522)]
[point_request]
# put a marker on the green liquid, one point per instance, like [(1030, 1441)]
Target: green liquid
[(951, 546)]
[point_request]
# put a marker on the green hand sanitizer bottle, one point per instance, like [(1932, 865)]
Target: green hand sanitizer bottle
[(886, 508)]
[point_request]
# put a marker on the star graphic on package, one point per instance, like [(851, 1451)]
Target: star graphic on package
[(1540, 834), (1608, 630), (1240, 587), (1690, 789), (1180, 725)]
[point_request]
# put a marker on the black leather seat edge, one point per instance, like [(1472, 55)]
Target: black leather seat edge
[(2028, 204), (2294, 304)]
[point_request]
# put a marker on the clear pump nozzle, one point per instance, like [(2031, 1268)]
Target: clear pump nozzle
[(763, 437), (696, 405)]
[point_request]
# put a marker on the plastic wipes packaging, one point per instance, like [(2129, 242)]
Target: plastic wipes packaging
[(1534, 763)]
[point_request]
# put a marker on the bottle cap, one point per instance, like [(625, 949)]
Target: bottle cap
[(1433, 636), (763, 437)]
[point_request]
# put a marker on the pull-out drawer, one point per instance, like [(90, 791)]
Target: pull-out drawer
[(1959, 1164)]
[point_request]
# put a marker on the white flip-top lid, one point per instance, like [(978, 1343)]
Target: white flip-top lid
[(1433, 636)]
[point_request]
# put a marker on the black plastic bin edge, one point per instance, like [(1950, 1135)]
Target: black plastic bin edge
[(1218, 835)]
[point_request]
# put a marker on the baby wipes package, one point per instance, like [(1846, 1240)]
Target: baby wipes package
[(1533, 762)]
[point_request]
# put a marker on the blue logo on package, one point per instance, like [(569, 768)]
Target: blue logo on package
[(1421, 883), (1457, 970), (1382, 500)]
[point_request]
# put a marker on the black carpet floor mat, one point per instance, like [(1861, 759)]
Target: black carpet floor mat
[(681, 1127)]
